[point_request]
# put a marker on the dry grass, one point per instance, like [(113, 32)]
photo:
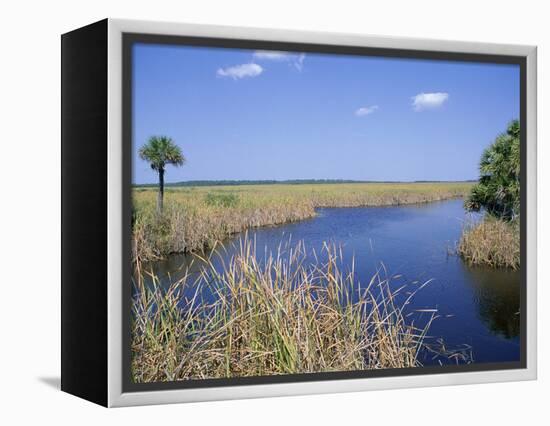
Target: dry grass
[(274, 315), (197, 217), (492, 242)]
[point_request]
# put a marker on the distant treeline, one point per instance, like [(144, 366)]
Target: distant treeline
[(272, 182)]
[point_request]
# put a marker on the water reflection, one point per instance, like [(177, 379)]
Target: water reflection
[(497, 295)]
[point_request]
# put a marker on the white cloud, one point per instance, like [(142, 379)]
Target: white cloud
[(366, 110), (299, 63), (424, 101), (241, 71), (295, 59), (271, 55)]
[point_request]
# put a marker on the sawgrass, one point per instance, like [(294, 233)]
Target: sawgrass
[(195, 218), (278, 314), (494, 242)]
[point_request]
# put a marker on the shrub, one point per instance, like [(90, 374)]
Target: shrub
[(221, 199)]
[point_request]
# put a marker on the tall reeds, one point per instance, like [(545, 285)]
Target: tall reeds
[(494, 242), (279, 313)]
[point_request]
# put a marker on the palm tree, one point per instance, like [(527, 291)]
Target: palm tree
[(160, 151), (498, 189)]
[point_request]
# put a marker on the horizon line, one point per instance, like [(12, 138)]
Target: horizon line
[(204, 182)]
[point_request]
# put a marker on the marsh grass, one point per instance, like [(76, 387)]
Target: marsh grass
[(279, 314), (195, 218), (494, 242)]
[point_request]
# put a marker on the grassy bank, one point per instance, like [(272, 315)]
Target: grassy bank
[(196, 217), (275, 315), (492, 242)]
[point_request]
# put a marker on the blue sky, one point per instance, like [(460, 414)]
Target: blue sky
[(244, 114)]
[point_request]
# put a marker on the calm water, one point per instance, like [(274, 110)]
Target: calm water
[(478, 306)]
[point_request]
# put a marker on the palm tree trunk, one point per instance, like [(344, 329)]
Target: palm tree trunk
[(160, 197)]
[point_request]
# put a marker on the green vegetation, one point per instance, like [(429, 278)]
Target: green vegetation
[(496, 241), (279, 316), (195, 218), (498, 188), (221, 199), (160, 151)]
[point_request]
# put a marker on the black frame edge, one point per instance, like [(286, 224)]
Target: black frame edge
[(84, 212)]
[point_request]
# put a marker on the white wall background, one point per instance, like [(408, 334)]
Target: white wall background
[(30, 210)]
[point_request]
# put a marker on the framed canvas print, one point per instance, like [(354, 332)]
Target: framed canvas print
[(251, 213)]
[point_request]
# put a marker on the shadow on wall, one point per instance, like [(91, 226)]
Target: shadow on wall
[(53, 382)]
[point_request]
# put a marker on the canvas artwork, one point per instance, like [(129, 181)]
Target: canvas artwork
[(306, 213)]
